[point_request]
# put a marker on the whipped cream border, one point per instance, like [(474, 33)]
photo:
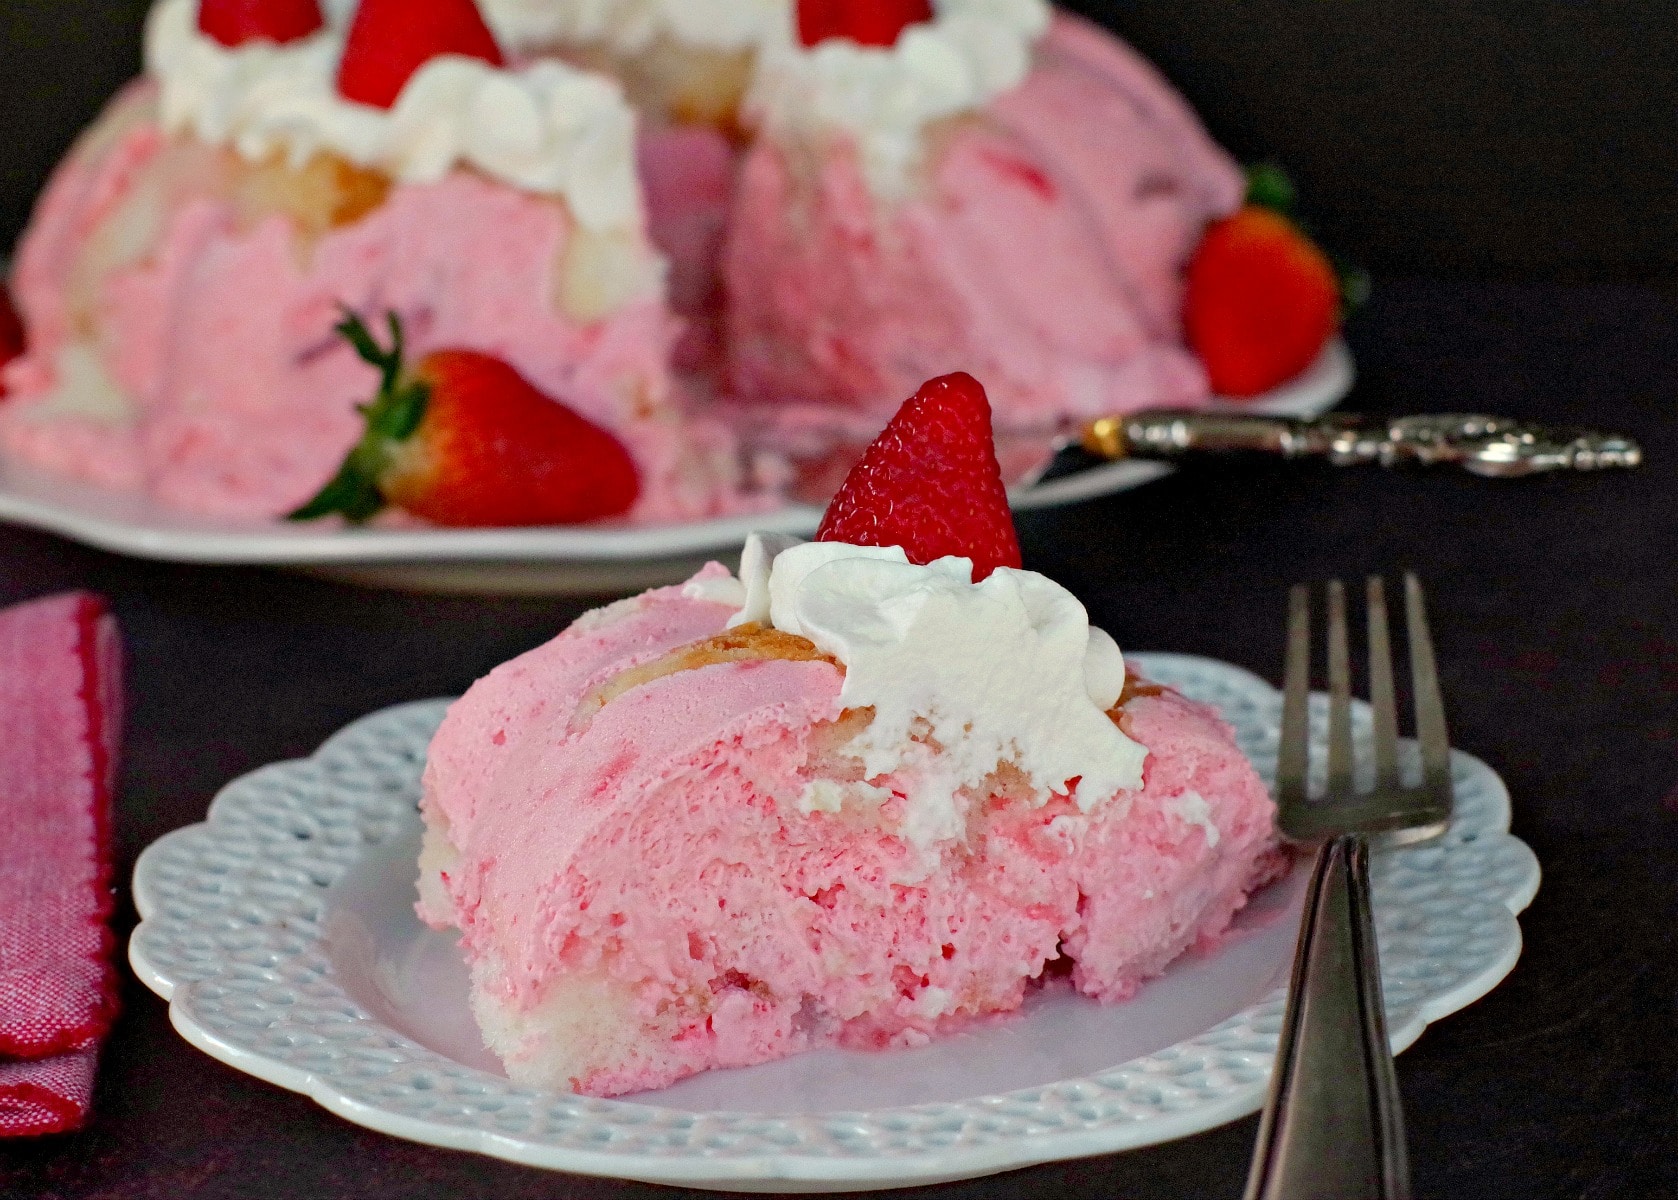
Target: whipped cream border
[(885, 97), (1008, 669), (630, 26), (548, 128)]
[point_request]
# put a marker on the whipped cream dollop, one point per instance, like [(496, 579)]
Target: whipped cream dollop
[(1004, 670), (548, 128), (629, 26), (885, 97)]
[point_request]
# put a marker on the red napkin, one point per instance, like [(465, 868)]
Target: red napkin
[(60, 718)]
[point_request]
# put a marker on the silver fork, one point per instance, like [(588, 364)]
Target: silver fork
[(1333, 1125)]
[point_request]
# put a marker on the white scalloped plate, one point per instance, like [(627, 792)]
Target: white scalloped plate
[(282, 933), (555, 560)]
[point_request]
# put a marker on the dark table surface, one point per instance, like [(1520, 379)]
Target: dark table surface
[(1556, 613)]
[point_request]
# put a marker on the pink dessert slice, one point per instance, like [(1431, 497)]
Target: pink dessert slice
[(656, 839)]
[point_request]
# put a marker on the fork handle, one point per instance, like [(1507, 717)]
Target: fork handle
[(1333, 1126), (1496, 446)]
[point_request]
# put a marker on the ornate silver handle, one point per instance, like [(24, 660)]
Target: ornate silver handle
[(1494, 446), (1333, 1126)]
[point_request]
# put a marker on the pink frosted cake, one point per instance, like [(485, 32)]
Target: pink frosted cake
[(726, 231), (672, 845), (186, 265), (1005, 190)]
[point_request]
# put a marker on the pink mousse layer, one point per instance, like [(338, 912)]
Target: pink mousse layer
[(240, 399), (1042, 250), (661, 846)]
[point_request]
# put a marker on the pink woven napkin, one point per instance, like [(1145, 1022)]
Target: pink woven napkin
[(60, 719)]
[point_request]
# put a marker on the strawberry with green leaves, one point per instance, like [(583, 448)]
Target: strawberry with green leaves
[(866, 22), (461, 438), (235, 22), (931, 483), (1262, 299), (389, 40)]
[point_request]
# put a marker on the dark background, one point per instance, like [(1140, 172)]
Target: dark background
[(1509, 172), (1513, 139)]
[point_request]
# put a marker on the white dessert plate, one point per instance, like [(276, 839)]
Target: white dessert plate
[(550, 560), (282, 933)]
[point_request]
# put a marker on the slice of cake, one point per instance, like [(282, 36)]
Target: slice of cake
[(999, 189), (186, 266), (857, 795)]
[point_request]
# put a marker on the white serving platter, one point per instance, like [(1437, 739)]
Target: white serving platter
[(583, 560)]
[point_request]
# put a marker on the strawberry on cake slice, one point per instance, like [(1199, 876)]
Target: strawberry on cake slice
[(859, 795), (184, 271), (980, 184)]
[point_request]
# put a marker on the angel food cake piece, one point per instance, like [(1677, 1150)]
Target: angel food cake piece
[(1003, 189), (858, 796), (185, 268)]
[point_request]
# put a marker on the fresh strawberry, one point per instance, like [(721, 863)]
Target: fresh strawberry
[(1262, 301), (866, 22), (391, 39), (464, 439), (235, 22), (11, 332), (930, 483)]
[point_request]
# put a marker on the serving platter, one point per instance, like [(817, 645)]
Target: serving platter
[(589, 560), (281, 931)]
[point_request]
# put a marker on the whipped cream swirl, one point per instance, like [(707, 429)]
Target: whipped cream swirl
[(549, 128), (1005, 670), (885, 97), (630, 26)]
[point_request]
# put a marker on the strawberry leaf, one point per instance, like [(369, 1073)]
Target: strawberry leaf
[(393, 416), (354, 331), (1354, 286), (1268, 186), (397, 413), (393, 360), (351, 492)]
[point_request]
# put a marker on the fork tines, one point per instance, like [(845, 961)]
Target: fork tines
[(1422, 810)]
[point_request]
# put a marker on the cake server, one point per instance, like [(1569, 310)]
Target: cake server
[(1484, 445), (1333, 1125)]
